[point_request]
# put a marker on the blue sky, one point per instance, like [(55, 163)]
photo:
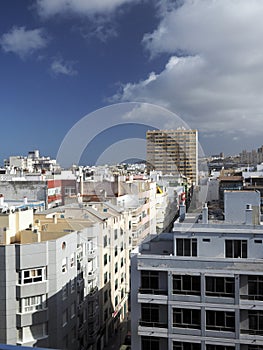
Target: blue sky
[(63, 59)]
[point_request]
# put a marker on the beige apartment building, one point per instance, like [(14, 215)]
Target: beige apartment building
[(173, 152)]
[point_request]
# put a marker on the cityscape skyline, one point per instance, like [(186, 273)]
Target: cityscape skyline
[(62, 61)]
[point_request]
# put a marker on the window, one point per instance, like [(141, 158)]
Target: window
[(33, 303), (150, 343), (186, 346), (187, 318), (220, 286), (105, 296), (116, 251), (105, 277), (115, 234), (150, 315), (186, 247), (73, 334), (64, 265), (116, 284), (116, 300), (105, 241), (64, 318), (73, 310), (255, 322), (121, 246), (105, 315), (219, 347), (105, 259), (149, 280), (121, 231), (235, 248), (116, 267), (72, 260), (32, 275), (64, 292), (184, 284), (255, 287), (220, 320), (72, 286)]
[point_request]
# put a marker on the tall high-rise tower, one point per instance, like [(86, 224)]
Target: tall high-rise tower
[(173, 152)]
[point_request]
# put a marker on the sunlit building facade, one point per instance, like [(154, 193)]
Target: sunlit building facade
[(173, 152)]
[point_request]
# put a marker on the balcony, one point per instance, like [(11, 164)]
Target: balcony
[(91, 254), (92, 336), (157, 329), (81, 305), (156, 295), (254, 297), (81, 329), (92, 316), (153, 324), (153, 291), (80, 284), (92, 275), (252, 331), (93, 295)]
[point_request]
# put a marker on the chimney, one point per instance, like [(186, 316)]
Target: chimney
[(55, 219), (2, 198), (181, 212), (205, 214), (249, 214)]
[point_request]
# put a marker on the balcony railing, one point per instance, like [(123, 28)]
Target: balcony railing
[(153, 324), (92, 275), (252, 331), (186, 292), (219, 294), (153, 291), (251, 297)]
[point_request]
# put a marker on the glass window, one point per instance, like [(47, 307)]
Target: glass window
[(235, 248), (150, 343), (33, 303), (186, 247), (187, 318), (220, 320), (186, 346), (32, 275), (185, 284), (220, 286)]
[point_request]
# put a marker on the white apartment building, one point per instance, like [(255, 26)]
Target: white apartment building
[(199, 287), (113, 251), (46, 286), (139, 197)]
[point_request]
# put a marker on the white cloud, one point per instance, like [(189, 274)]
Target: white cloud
[(60, 67), (214, 76), (49, 8), (23, 42)]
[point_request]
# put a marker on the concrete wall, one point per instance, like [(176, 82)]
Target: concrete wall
[(235, 203), (17, 190)]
